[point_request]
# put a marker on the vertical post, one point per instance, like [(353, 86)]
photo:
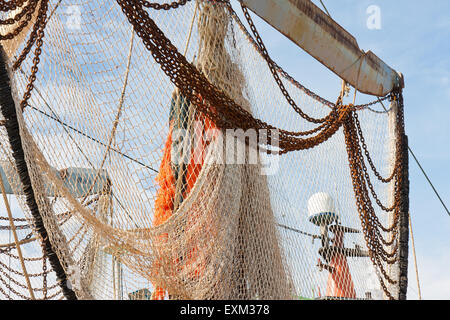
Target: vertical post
[(399, 270), (392, 269), (404, 223)]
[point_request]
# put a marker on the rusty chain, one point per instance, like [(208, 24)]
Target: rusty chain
[(11, 5), (31, 39), (19, 15), (273, 68), (28, 10), (12, 280), (18, 227), (40, 23), (155, 42), (164, 6), (288, 77), (14, 219), (13, 245), (11, 290), (16, 257), (194, 85), (44, 277), (369, 158), (361, 182), (35, 37)]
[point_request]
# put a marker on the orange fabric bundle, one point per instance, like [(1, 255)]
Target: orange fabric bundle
[(166, 182), (164, 203)]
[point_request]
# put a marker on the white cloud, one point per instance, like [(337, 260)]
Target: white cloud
[(434, 277)]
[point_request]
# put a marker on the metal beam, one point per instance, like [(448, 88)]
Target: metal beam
[(314, 31)]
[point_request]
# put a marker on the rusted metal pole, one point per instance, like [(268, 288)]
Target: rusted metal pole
[(318, 34), (393, 270), (404, 225)]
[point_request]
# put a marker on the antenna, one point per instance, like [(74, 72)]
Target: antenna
[(322, 213)]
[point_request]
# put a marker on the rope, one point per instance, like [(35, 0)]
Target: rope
[(188, 40), (90, 138), (210, 95), (323, 5), (118, 115), (423, 171), (414, 255), (429, 181)]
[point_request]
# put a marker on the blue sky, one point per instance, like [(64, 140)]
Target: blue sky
[(413, 39)]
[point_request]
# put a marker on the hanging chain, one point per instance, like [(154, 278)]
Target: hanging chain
[(370, 223), (164, 6), (369, 158), (36, 37), (273, 68), (13, 245), (195, 86), (11, 5), (19, 15), (44, 277), (260, 47), (31, 39), (28, 10)]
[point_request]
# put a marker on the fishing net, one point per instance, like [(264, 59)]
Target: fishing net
[(194, 168)]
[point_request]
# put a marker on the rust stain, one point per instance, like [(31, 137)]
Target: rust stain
[(309, 27), (333, 29)]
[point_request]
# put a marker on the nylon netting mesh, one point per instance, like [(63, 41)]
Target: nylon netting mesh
[(143, 195)]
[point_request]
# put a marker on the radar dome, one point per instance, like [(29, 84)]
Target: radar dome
[(321, 209)]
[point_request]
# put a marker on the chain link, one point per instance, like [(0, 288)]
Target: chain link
[(44, 277), (371, 225), (274, 68), (28, 11), (35, 38), (12, 246), (164, 6), (11, 5)]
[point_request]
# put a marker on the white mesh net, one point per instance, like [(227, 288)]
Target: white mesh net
[(143, 196)]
